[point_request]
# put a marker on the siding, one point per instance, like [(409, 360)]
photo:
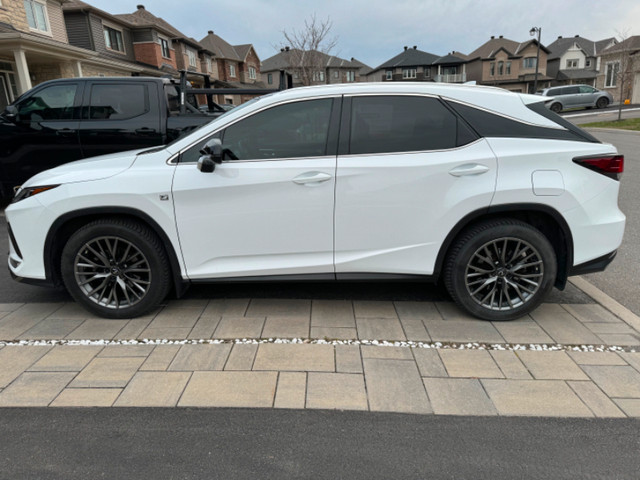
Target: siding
[(78, 30), (98, 38), (145, 35), (56, 21)]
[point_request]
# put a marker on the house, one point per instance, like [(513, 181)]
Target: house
[(573, 60), (35, 47), (418, 66), (311, 68), (236, 66), (509, 64), (620, 68)]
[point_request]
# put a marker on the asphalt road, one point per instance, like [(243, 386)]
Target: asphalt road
[(278, 444)]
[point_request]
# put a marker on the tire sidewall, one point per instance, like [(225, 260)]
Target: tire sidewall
[(457, 270), (142, 239)]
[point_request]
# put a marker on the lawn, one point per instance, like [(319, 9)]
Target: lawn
[(628, 124)]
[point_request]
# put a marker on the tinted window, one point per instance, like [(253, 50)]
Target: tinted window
[(287, 131), (118, 102), (401, 124), (570, 90), (50, 103), (554, 91)]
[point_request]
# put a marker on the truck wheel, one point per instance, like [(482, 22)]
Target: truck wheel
[(116, 268), (500, 270)]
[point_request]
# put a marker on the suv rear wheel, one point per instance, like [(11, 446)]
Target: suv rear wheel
[(116, 268), (500, 270)]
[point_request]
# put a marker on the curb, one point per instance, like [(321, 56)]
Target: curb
[(610, 130), (607, 302)]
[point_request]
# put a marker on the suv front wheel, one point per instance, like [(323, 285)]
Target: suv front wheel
[(116, 268), (500, 270)]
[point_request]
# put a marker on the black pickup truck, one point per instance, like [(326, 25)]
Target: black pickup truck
[(68, 119)]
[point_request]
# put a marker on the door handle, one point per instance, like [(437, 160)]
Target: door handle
[(66, 132), (310, 178), (469, 169), (145, 131)]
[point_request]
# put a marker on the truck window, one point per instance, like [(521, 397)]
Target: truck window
[(50, 103), (118, 102)]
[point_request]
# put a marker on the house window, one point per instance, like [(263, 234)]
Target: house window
[(427, 72), (529, 62), (492, 69), (572, 63), (611, 78), (336, 74), (318, 76), (252, 73), (270, 78), (164, 44), (209, 68), (408, 73), (232, 71), (587, 63), (113, 39), (192, 58), (389, 75), (36, 15), (500, 68), (351, 76), (508, 70)]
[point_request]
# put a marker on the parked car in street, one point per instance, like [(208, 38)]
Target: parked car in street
[(482, 189), (576, 96), (68, 119)]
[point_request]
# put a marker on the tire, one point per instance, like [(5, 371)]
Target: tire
[(497, 290), (602, 102), (556, 107), (116, 268)]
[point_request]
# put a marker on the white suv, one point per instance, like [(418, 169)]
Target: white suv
[(483, 189)]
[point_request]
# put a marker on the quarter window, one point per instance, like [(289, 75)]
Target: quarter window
[(36, 15), (384, 124), (50, 103), (118, 102), (294, 130), (113, 39)]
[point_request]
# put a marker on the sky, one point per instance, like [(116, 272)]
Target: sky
[(373, 31)]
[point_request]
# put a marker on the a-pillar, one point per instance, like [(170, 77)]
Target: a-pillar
[(22, 69)]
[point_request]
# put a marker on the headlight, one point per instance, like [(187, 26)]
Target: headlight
[(27, 192)]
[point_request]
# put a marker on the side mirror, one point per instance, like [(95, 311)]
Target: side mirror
[(11, 113), (213, 148), (211, 154)]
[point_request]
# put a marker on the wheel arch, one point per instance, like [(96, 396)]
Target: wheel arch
[(546, 219), (65, 225)]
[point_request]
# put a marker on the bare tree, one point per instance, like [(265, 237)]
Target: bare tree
[(307, 49), (625, 69)]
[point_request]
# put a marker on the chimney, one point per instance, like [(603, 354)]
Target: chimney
[(210, 32), (286, 49), (415, 47), (500, 36), (576, 36), (140, 7), (559, 37), (492, 37), (282, 49), (405, 48)]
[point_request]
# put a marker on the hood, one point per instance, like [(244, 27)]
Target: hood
[(95, 168)]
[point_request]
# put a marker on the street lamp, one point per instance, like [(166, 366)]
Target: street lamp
[(532, 32)]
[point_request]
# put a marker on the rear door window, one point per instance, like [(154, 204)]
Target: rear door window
[(384, 124), (118, 102)]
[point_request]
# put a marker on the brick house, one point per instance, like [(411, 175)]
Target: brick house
[(621, 63), (237, 66), (413, 65), (574, 60), (319, 67), (508, 64)]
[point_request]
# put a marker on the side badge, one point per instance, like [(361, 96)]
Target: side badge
[(164, 197)]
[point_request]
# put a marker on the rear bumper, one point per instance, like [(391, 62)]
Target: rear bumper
[(593, 266)]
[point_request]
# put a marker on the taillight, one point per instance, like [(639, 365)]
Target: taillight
[(610, 165)]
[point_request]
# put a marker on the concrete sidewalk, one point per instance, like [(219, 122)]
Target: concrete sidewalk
[(562, 360)]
